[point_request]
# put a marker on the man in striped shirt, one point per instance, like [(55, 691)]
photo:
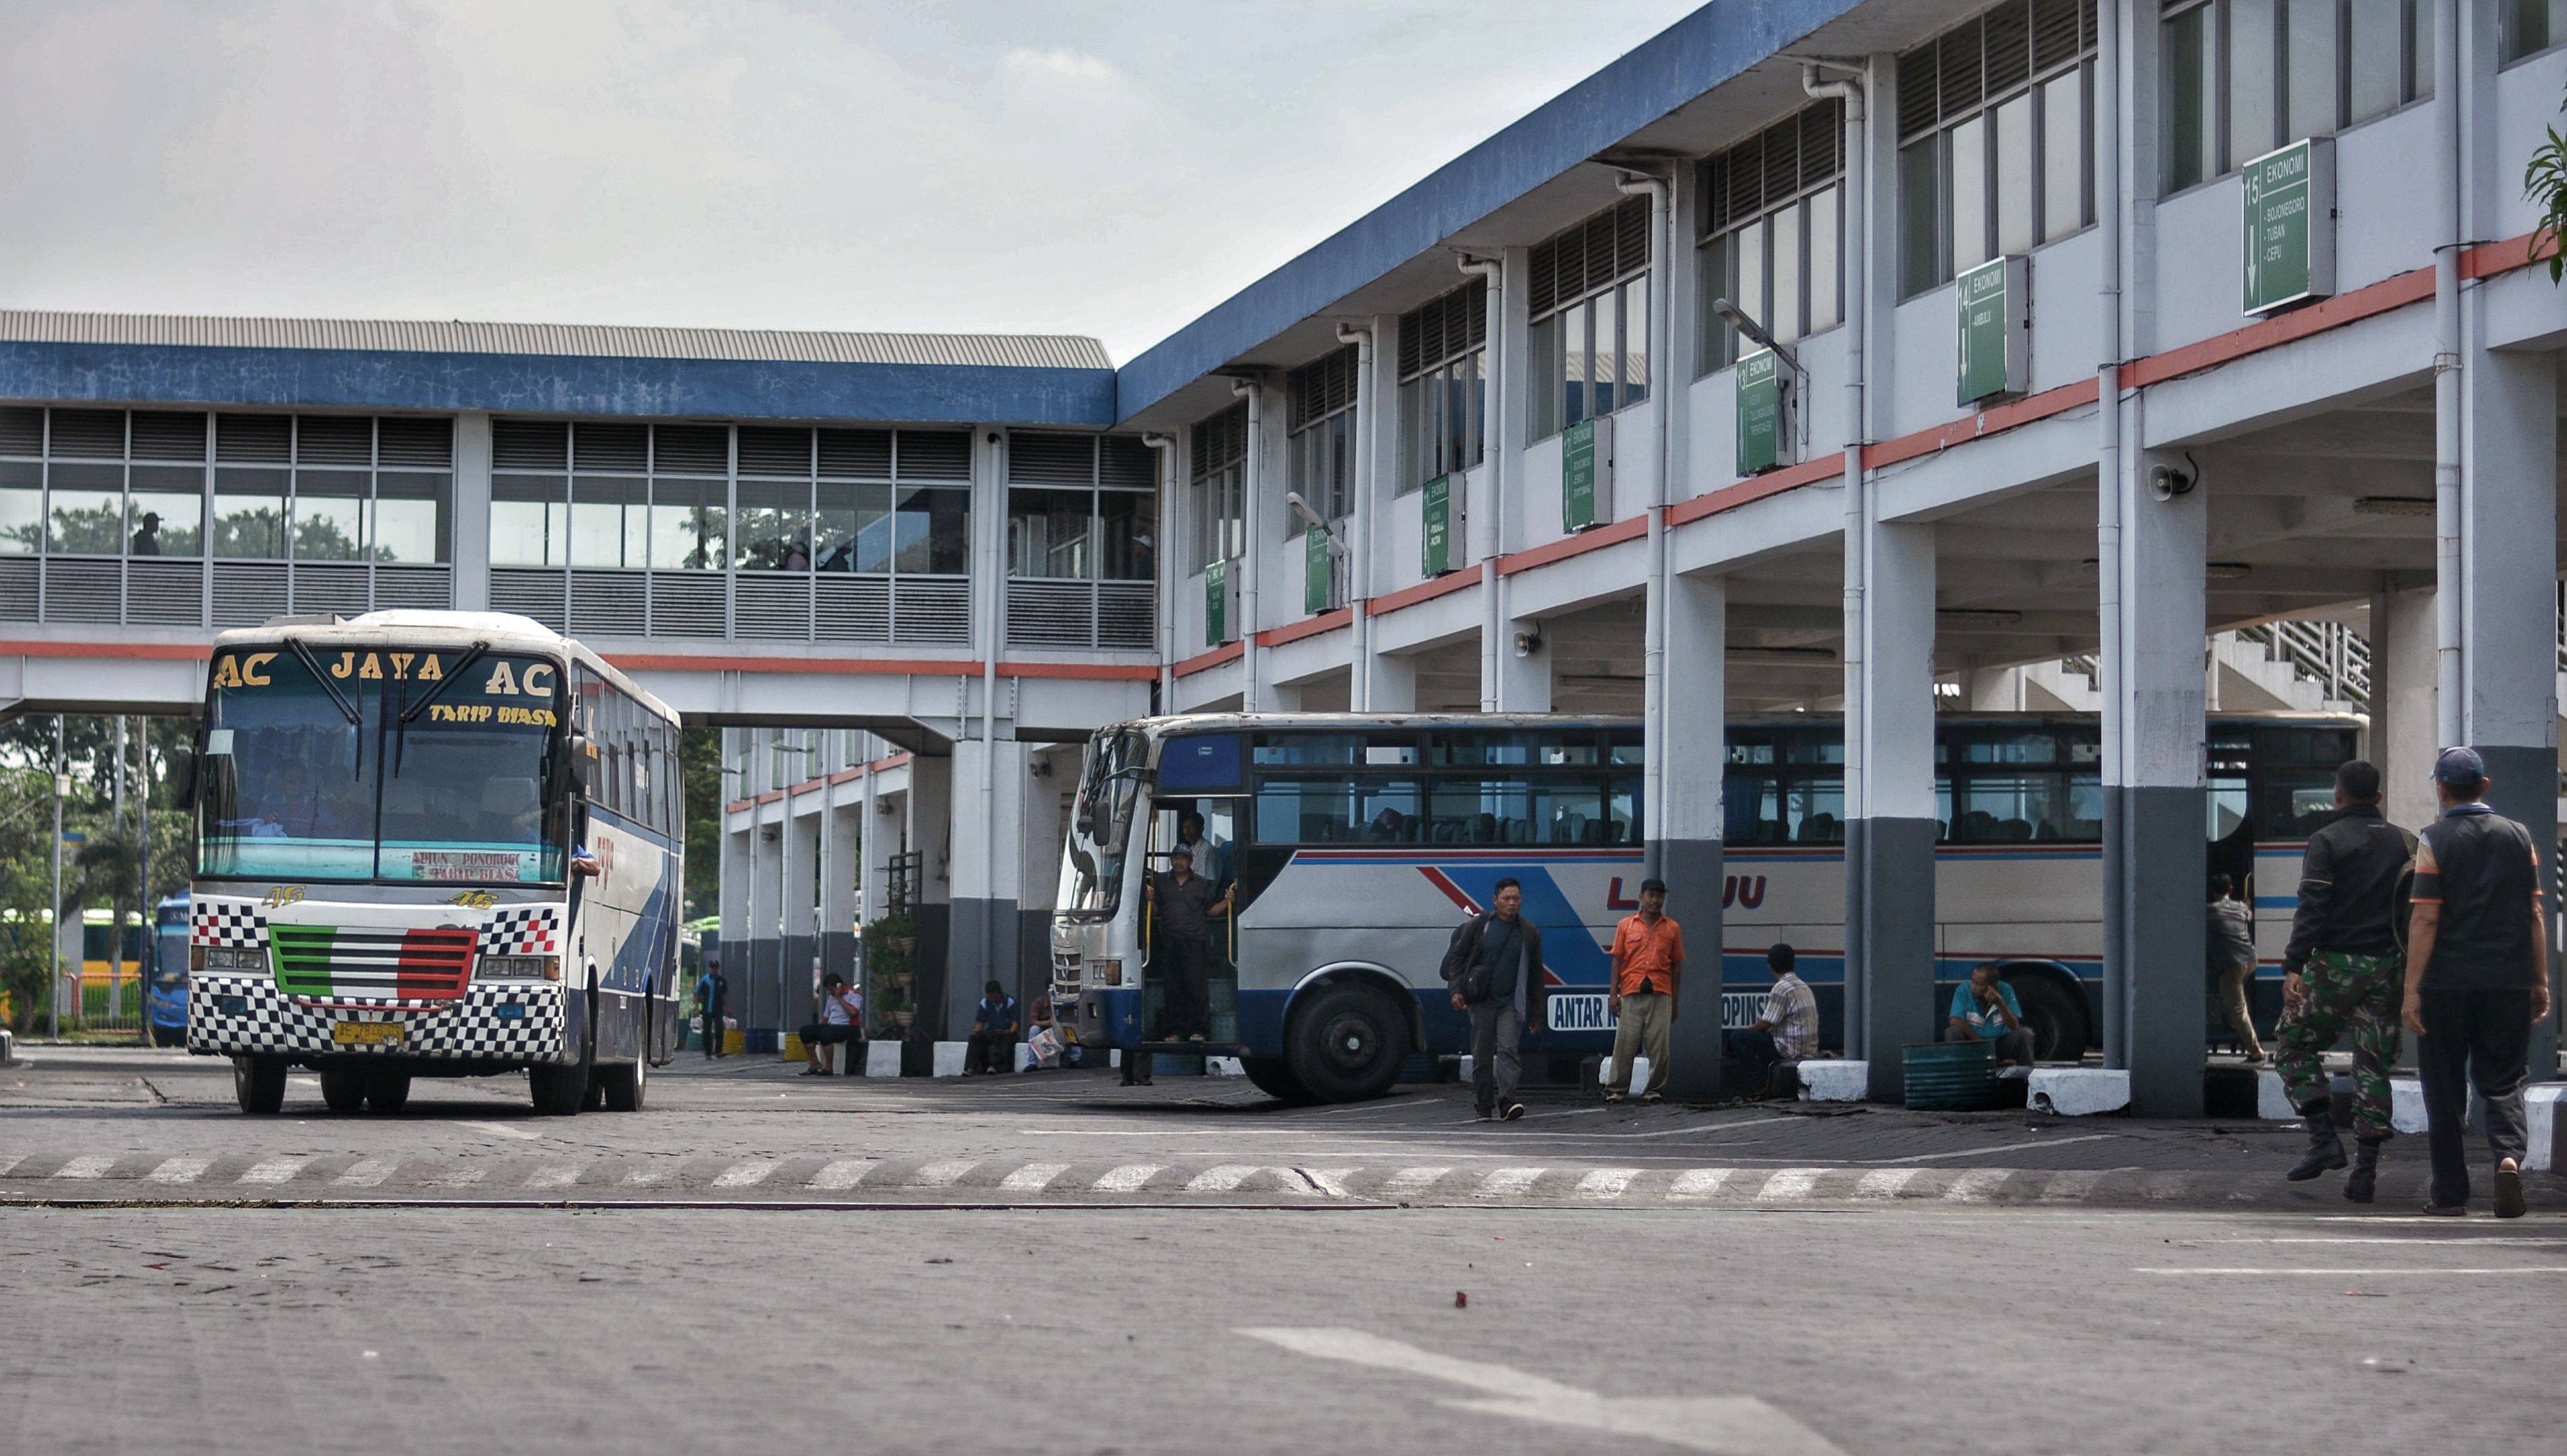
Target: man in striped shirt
[(1787, 1031)]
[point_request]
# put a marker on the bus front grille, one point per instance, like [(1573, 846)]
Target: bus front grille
[(413, 964)]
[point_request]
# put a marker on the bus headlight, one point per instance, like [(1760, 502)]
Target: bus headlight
[(234, 958), (522, 968)]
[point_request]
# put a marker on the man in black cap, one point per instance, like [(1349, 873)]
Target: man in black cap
[(2477, 978), (1186, 903), (1648, 972)]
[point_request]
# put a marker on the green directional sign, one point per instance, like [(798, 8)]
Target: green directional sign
[(1435, 526), (1586, 474), (1763, 441), (1217, 604), (2289, 226), (1995, 340), (1316, 561)]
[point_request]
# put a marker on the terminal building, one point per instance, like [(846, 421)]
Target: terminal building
[(1815, 356)]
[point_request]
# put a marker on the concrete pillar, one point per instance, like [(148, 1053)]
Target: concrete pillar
[(1494, 525), (842, 854), (759, 994), (1685, 829), (987, 872), (799, 928), (1890, 823), (931, 834), (2403, 701), (471, 547), (1392, 682), (2155, 857)]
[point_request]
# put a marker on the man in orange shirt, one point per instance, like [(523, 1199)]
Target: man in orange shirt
[(1648, 967)]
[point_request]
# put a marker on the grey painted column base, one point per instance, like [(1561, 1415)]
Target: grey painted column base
[(2519, 781), (982, 949), (838, 953), (756, 997), (793, 980), (1692, 870), (2158, 865), (1893, 859)]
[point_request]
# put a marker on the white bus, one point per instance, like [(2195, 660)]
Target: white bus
[(1357, 842), (433, 844)]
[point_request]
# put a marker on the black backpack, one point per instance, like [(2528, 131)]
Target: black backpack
[(1459, 972)]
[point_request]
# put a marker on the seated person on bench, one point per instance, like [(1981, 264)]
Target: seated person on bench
[(841, 1023), (1787, 1031)]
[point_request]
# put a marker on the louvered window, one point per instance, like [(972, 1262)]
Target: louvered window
[(2242, 76), (1771, 221), (1589, 296), (1443, 385), (1319, 450), (1083, 535), (1995, 149), (1218, 487)]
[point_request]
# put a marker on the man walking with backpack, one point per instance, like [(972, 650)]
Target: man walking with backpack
[(1494, 966), (2340, 970)]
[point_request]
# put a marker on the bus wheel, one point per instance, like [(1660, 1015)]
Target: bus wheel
[(2056, 1015), (386, 1092), (1345, 1046), (168, 1036), (258, 1084), (625, 1084), (343, 1088), (558, 1090), (1272, 1075)]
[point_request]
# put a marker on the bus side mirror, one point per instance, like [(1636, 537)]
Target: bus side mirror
[(583, 763), (182, 778)]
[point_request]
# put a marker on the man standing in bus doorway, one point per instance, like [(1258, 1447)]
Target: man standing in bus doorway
[(2477, 981), (1648, 970), (2340, 971), (1495, 969), (1186, 903), (2231, 956), (1212, 860)]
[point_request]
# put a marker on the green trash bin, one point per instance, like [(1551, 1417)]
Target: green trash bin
[(1950, 1076)]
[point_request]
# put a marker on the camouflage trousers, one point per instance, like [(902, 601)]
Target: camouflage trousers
[(2362, 994)]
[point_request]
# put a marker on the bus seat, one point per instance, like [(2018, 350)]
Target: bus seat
[(2014, 831), (1484, 829)]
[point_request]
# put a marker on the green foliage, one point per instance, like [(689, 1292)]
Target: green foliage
[(2544, 181), (700, 758)]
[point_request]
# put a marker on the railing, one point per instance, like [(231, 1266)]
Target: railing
[(2327, 652)]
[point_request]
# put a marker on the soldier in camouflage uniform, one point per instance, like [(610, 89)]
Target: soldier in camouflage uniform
[(2344, 968)]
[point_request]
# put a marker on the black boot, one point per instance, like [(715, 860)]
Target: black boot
[(2326, 1150), (2365, 1177)]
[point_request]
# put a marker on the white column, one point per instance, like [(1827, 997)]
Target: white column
[(1891, 833), (1684, 828), (2403, 713), (472, 549)]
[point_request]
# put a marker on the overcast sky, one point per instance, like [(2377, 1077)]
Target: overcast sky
[(1074, 166)]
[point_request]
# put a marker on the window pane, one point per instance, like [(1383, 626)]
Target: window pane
[(1814, 810), (1749, 243), (2063, 155), (1474, 410), (1342, 474), (1920, 227), (2420, 48), (1718, 343), (1548, 345), (87, 510), (933, 530), (1048, 534), (1127, 534), (1604, 371), (1969, 142), (22, 507), (529, 520), (2313, 63), (2014, 176), (689, 524), (1577, 375), (166, 504), (607, 521), (1785, 320), (330, 515), (1416, 432), (1824, 303), (1343, 810), (410, 516), (2187, 66), (2376, 33), (855, 528), (2254, 80), (774, 525)]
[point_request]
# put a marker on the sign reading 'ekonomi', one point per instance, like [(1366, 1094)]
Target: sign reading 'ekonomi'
[(1435, 526), (2289, 225), (1764, 442)]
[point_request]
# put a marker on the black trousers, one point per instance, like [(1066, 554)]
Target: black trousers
[(1754, 1049), (2472, 1037), (1186, 1011), (714, 1029), (989, 1052)]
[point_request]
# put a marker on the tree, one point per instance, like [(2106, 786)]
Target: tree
[(700, 753), (2544, 181)]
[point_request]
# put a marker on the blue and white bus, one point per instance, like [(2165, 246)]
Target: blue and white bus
[(433, 844), (165, 1005), (1354, 843)]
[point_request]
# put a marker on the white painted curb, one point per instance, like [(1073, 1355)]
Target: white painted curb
[(1025, 1057), (882, 1058), (1224, 1067), (949, 1059), (1824, 1080), (2079, 1092), (2540, 1113)]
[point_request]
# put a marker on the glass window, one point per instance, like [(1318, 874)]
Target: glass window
[(1752, 296), (931, 530), (689, 524), (529, 520), (1442, 362), (330, 515), (2312, 76), (2228, 805), (2375, 39), (1219, 452), (87, 510), (1782, 312), (1969, 145), (1544, 750), (1049, 533), (1336, 810), (1305, 749), (855, 528), (1993, 155), (1127, 530), (410, 511), (2014, 176), (2297, 802), (774, 525), (2003, 808), (2526, 26), (608, 523), (1716, 277), (2253, 124), (2025, 747), (1921, 229), (168, 509), (2063, 155), (2190, 65), (1826, 303), (1582, 328), (249, 513), (22, 507)]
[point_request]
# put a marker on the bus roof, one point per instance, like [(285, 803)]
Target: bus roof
[(504, 631)]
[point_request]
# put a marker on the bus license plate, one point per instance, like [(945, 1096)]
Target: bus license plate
[(367, 1033)]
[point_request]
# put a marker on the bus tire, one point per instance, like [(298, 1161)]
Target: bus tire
[(1347, 1044), (258, 1084), (1272, 1075), (168, 1036), (558, 1090), (387, 1092), (343, 1088), (2056, 1014), (625, 1084)]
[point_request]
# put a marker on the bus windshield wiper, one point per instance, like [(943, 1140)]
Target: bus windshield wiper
[(410, 709), (346, 709)]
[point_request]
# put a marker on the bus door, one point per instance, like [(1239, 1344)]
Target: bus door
[(2232, 826), (1208, 825)]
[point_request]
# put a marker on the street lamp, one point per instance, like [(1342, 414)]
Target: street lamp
[(1737, 318)]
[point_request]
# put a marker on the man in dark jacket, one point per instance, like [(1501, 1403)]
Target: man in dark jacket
[(2478, 980), (1495, 970), (2341, 970)]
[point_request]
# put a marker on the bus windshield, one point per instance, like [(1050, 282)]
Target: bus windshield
[(1100, 827), (381, 765)]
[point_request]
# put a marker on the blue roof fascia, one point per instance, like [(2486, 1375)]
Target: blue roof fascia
[(557, 385), (1690, 58)]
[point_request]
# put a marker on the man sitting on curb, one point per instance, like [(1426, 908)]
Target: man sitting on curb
[(841, 1023), (1787, 1031), (1984, 1010), (993, 1047)]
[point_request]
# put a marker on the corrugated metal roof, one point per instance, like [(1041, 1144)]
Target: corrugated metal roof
[(407, 336)]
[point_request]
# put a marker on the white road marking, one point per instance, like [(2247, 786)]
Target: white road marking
[(1331, 1181), (1788, 1183), (941, 1175), (2407, 1243), (1606, 1183), (502, 1129), (1699, 1182), (1125, 1179), (459, 1178), (843, 1174), (1740, 1424), (1975, 1185), (649, 1177), (94, 1165), (554, 1175), (1035, 1177), (367, 1173), (748, 1174), (2365, 1273), (274, 1170), (2074, 1185), (2011, 1147), (1223, 1179), (11, 1161), (1411, 1180), (1508, 1182), (1884, 1182), (180, 1170)]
